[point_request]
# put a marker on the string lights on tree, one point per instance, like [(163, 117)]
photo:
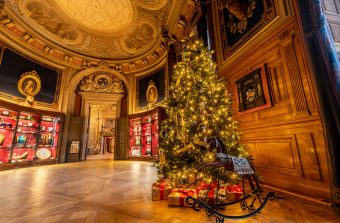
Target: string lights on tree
[(198, 108)]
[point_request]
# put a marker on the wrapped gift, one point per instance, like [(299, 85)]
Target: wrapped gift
[(213, 196), (206, 186), (177, 197), (234, 192), (161, 190)]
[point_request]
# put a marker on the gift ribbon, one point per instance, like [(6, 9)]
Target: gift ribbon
[(205, 186), (234, 188), (182, 194), (162, 186)]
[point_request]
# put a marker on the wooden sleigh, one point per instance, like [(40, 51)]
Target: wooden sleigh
[(225, 162)]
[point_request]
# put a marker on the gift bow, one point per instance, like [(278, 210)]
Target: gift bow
[(205, 186), (163, 184), (234, 188), (185, 192)]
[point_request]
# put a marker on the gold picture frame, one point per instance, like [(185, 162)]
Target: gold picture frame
[(16, 98), (151, 93), (29, 83)]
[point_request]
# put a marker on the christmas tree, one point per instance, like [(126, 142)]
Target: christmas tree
[(198, 108)]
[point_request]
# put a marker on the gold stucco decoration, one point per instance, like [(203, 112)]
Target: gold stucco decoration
[(101, 83), (29, 85), (104, 16), (151, 93)]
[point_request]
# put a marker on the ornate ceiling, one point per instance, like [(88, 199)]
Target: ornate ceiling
[(98, 16), (125, 34)]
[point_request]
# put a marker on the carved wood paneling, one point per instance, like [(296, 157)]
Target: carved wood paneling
[(309, 157), (285, 139), (295, 78), (277, 154), (278, 86), (278, 111), (283, 156)]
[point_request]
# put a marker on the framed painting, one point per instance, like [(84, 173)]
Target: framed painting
[(252, 91), (241, 20), (23, 77), (150, 89)]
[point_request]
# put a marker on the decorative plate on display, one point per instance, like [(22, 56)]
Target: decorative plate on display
[(6, 113), (48, 119), (44, 153)]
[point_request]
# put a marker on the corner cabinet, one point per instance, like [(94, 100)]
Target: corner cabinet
[(144, 129), (28, 136)]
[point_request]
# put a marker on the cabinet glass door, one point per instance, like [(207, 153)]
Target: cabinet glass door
[(154, 135), (8, 121), (146, 135), (135, 137), (48, 138), (25, 137)]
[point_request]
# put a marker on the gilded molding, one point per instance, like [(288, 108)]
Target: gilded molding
[(139, 56)]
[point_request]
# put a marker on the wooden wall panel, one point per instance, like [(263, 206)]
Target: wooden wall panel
[(286, 139), (295, 78), (278, 86), (308, 156)]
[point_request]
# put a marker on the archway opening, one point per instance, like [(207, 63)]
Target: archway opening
[(101, 95)]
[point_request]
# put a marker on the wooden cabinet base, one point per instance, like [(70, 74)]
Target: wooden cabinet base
[(26, 164)]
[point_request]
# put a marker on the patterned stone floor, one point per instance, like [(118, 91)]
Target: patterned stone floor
[(107, 191)]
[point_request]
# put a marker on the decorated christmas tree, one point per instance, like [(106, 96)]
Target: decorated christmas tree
[(198, 109)]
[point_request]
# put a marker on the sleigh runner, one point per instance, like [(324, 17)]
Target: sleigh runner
[(251, 189)]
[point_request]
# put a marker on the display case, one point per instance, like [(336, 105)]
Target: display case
[(27, 136), (48, 137), (8, 122), (144, 134)]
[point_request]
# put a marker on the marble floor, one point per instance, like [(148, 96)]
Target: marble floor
[(105, 191)]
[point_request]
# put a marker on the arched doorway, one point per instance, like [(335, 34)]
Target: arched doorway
[(101, 95)]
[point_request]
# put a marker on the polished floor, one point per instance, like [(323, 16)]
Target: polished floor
[(105, 191)]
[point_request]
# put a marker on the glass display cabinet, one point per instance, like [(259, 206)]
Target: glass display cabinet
[(48, 137), (144, 134), (27, 136), (8, 122)]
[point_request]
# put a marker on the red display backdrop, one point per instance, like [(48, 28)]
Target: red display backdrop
[(26, 136), (144, 134), (8, 122)]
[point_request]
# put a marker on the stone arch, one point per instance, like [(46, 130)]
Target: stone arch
[(106, 98), (75, 80)]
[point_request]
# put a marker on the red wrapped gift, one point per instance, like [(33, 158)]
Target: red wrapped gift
[(206, 186), (213, 196), (161, 190), (234, 188), (234, 192), (177, 197)]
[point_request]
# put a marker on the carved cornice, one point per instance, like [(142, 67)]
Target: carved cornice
[(101, 82)]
